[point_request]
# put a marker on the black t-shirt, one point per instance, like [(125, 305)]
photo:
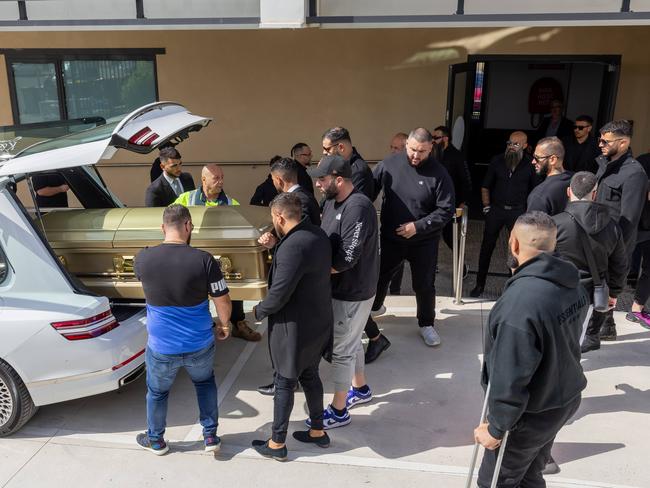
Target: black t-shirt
[(45, 180), (550, 196), (351, 226), (177, 280)]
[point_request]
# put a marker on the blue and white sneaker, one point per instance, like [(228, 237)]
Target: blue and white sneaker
[(331, 420), (355, 397)]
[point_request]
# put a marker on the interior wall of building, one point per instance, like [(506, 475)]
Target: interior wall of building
[(268, 89)]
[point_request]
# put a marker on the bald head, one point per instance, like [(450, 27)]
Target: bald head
[(534, 233), (520, 137), (212, 180)]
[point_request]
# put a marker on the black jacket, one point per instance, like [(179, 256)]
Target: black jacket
[(361, 175), (454, 163), (304, 179), (581, 157), (264, 193), (160, 193), (310, 207), (623, 187), (605, 240), (299, 301), (532, 348), (644, 223), (422, 194)]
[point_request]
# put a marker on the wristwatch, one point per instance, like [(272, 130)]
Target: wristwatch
[(486, 209)]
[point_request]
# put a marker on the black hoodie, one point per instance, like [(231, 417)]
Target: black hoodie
[(605, 240), (532, 348)]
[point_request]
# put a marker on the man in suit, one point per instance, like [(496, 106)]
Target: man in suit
[(171, 183), (301, 153), (299, 310)]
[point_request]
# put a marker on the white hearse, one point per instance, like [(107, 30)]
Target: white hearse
[(59, 341)]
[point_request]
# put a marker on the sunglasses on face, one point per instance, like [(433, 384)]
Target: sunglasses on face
[(605, 142), (539, 159), (581, 127)]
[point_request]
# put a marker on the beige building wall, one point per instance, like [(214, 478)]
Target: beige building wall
[(268, 89)]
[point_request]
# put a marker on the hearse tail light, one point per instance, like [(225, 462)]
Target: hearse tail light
[(80, 329), (144, 137)]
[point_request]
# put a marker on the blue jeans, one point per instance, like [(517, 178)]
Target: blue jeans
[(161, 372)]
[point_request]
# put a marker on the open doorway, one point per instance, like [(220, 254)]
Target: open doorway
[(490, 96)]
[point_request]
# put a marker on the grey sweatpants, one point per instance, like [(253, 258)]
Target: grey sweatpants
[(347, 356)]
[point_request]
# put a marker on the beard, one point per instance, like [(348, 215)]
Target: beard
[(330, 191), (278, 231), (189, 239), (543, 170), (511, 260), (513, 158)]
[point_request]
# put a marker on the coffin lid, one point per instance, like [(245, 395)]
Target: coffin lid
[(222, 226)]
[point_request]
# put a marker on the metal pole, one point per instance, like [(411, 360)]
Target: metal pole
[(458, 291), (454, 248), (497, 467)]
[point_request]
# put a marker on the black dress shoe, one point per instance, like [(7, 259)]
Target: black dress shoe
[(375, 348), (270, 389), (303, 436), (477, 291), (263, 448), (267, 389)]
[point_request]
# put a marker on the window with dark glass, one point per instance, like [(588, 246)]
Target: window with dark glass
[(50, 85)]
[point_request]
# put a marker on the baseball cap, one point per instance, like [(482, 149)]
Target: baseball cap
[(331, 165)]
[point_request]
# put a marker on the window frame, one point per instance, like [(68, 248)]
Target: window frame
[(58, 56)]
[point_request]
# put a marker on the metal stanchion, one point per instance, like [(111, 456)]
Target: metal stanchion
[(460, 238), (454, 259)]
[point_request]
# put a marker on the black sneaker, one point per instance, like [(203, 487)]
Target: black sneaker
[(376, 347), (303, 436), (551, 467), (157, 447), (263, 448)]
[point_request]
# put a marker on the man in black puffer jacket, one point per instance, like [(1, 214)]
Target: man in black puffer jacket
[(532, 355), (605, 239)]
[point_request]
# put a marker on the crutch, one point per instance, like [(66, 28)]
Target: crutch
[(502, 449)]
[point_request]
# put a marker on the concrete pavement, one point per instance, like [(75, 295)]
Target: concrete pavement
[(416, 432)]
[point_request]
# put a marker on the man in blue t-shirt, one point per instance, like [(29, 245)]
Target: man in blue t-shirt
[(177, 280)]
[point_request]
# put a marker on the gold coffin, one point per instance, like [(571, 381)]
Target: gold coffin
[(98, 245)]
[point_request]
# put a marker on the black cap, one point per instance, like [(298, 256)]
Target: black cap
[(332, 165)]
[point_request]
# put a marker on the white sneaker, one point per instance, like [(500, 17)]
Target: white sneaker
[(377, 313), (430, 336)]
